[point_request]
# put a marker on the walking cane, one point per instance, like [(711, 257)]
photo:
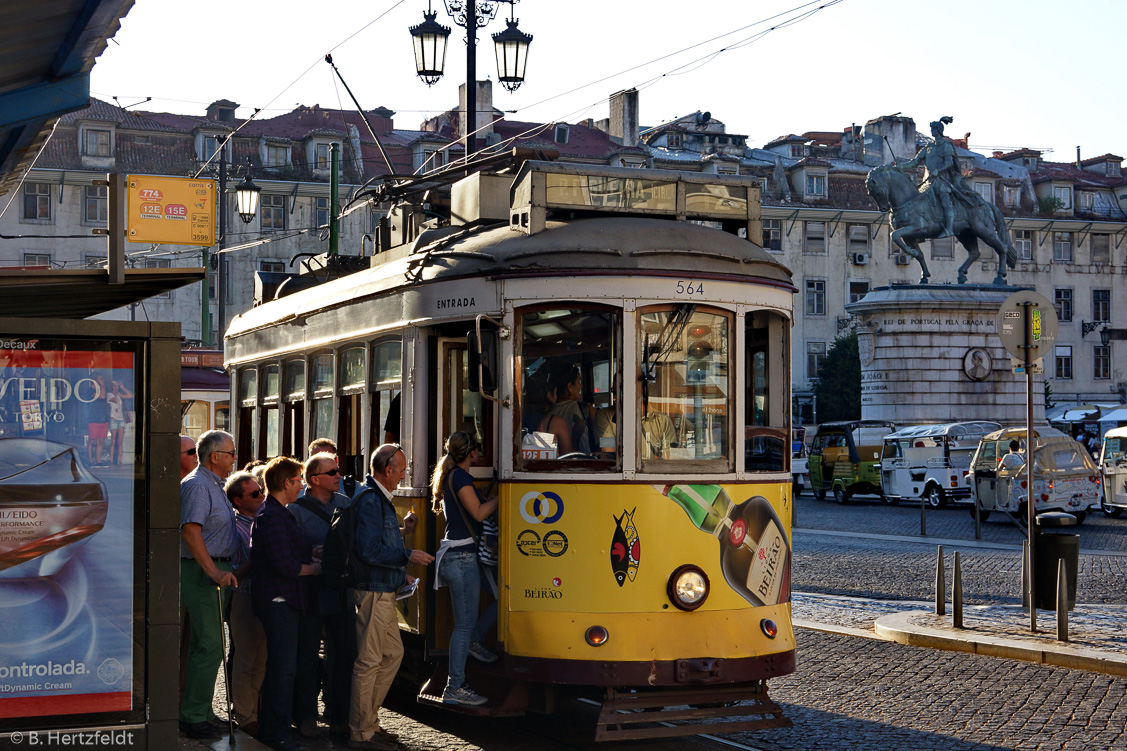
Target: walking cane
[(226, 672)]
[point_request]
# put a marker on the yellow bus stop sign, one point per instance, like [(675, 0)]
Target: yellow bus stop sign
[(172, 210)]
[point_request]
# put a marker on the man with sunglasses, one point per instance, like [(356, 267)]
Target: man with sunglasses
[(208, 543), (188, 460), (248, 640), (327, 613)]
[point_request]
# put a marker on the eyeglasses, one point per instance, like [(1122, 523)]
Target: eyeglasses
[(232, 453), (255, 494), (333, 471), (189, 452)]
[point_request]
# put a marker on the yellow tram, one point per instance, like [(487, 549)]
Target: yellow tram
[(644, 554)]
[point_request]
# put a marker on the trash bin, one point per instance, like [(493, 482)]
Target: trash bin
[(1053, 544)]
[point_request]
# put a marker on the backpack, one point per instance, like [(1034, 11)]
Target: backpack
[(339, 563)]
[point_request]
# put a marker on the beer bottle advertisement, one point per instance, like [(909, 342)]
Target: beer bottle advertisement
[(755, 555)]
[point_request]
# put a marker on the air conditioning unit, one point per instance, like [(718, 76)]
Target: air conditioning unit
[(860, 259), (901, 259)]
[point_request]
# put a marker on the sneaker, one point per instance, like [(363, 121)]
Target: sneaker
[(480, 653), (464, 696)]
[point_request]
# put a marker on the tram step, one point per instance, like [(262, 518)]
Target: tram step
[(506, 698), (651, 714)]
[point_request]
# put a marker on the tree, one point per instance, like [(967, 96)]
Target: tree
[(838, 388)]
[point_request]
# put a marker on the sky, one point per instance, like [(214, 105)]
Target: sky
[(1036, 73)]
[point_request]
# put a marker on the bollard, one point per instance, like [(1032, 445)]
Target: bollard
[(977, 518), (923, 519), (1025, 573), (957, 593), (940, 586), (1062, 601)]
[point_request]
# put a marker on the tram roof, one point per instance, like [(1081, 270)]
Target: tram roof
[(578, 247)]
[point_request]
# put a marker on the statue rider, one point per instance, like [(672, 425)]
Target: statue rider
[(943, 175)]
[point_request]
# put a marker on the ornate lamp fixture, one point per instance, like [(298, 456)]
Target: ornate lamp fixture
[(429, 38), (511, 46), (246, 198)]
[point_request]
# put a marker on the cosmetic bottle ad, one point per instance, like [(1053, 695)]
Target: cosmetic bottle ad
[(67, 448)]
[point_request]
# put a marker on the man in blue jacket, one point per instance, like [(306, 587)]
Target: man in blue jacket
[(381, 558)]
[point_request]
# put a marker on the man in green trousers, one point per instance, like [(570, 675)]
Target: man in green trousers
[(207, 533)]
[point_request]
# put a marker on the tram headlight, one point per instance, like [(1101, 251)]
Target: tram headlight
[(688, 587)]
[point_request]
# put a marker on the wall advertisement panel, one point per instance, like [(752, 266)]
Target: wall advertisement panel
[(68, 448)]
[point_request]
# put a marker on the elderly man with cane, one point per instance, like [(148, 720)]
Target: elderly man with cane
[(207, 532)]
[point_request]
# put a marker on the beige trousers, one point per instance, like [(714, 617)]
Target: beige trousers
[(379, 650), (248, 659)]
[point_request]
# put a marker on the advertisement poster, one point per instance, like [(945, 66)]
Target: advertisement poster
[(67, 432)]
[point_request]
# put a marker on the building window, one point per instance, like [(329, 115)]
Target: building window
[(431, 159), (943, 247), (815, 184), (158, 263), (1101, 363), (96, 142), (1101, 305), (37, 259), (815, 297), (277, 156), (986, 190), (320, 212), (673, 140), (1023, 241), (1062, 247), (1101, 248), (773, 234), (1062, 301), (209, 144), (96, 204), (273, 212), (815, 354), (858, 238), (1064, 361), (272, 265), (1012, 196), (37, 202), (1087, 200), (561, 133), (1064, 195), (858, 290), (815, 238), (1113, 169), (321, 156)]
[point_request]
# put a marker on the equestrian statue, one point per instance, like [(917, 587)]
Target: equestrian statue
[(944, 206)]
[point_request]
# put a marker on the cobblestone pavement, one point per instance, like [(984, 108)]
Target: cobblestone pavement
[(851, 693), (870, 514)]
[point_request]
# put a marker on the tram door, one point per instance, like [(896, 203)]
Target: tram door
[(460, 408)]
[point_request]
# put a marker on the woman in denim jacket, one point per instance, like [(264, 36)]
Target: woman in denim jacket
[(457, 565)]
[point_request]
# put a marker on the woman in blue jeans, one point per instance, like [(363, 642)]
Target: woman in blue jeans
[(456, 564)]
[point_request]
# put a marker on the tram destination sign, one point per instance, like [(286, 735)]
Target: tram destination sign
[(173, 210), (1011, 324)]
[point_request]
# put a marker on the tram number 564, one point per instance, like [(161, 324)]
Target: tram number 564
[(690, 289)]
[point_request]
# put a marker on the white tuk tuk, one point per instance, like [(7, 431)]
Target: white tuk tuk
[(929, 461), (1064, 476), (1113, 468)]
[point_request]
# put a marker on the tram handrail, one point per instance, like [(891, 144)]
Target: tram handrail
[(502, 331)]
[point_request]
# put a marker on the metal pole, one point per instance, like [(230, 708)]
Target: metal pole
[(957, 593), (940, 585), (115, 228), (1062, 601), (205, 314), (226, 672), (221, 275), (923, 519), (471, 77), (1030, 446), (334, 190)]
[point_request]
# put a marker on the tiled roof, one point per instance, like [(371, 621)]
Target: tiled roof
[(106, 112), (810, 162), (1068, 172), (790, 138), (1100, 158)]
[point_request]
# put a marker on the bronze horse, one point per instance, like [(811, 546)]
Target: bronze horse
[(917, 216)]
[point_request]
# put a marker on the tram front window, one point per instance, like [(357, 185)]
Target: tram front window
[(684, 405), (569, 404)]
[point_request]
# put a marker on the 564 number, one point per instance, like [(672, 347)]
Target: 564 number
[(691, 289)]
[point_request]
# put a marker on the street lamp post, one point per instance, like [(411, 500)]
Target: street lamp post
[(246, 200), (511, 47)]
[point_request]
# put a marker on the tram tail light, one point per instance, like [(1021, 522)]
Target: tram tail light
[(596, 636), (769, 627)]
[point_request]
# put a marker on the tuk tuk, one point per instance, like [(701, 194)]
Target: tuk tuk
[(845, 458), (1113, 470), (1064, 476), (929, 462), (798, 462)]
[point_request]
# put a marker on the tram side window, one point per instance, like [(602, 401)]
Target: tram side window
[(270, 408), (464, 409), (765, 420), (386, 385), (248, 403), (684, 389), (223, 415), (569, 393), (293, 407), (322, 396), (350, 430)]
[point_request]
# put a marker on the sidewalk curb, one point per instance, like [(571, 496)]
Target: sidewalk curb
[(898, 628), (830, 628)]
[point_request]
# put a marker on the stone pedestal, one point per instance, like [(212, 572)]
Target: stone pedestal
[(930, 353)]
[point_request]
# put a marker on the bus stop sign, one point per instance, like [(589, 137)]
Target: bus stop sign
[(1011, 324)]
